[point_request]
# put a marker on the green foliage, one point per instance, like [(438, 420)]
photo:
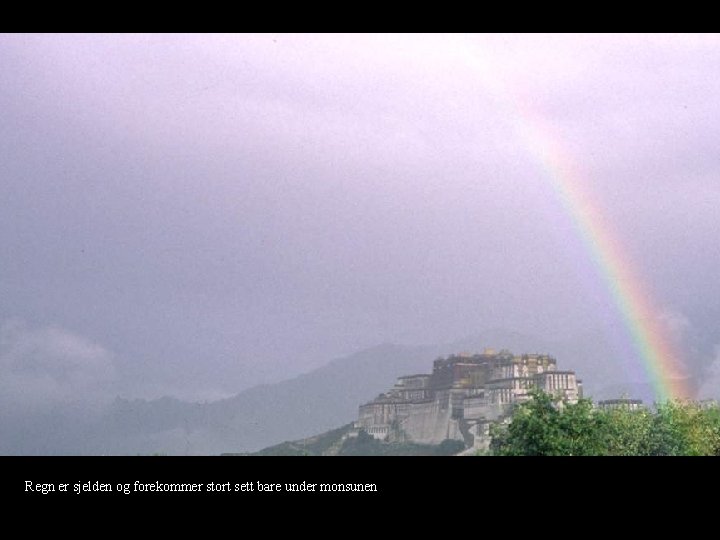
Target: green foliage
[(544, 426), (626, 432), (685, 429)]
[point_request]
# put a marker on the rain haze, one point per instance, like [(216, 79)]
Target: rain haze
[(192, 216)]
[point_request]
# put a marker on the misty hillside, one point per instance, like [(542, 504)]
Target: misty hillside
[(264, 415), (301, 407), (255, 418), (334, 443)]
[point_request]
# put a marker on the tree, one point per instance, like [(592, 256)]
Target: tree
[(685, 429), (545, 426)]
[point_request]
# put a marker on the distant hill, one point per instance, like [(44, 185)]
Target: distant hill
[(329, 443), (335, 443), (291, 410), (264, 415)]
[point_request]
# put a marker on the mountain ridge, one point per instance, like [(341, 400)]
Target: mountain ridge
[(297, 408)]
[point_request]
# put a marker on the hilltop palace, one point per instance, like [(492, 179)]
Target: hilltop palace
[(461, 398)]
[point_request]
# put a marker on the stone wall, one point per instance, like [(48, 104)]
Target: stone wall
[(463, 395)]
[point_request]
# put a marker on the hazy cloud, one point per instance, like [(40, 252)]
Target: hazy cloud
[(44, 365), (711, 380)]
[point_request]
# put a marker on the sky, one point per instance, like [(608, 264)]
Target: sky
[(192, 215)]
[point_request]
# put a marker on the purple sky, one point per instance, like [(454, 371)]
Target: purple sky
[(192, 215)]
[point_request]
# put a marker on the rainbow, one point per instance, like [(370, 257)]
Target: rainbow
[(640, 314), (660, 357)]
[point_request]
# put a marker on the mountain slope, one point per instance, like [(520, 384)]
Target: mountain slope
[(294, 409), (260, 416)]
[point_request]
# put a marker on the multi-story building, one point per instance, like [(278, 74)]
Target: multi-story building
[(622, 403), (462, 396)]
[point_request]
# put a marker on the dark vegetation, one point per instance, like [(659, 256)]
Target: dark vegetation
[(365, 445), (333, 443)]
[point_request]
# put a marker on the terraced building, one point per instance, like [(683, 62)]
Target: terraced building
[(462, 396)]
